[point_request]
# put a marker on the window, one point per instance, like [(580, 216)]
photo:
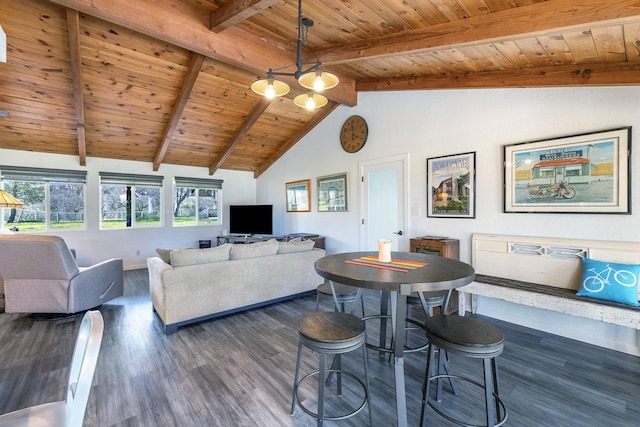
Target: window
[(573, 170), (196, 201), (547, 172), (128, 200), (53, 198)]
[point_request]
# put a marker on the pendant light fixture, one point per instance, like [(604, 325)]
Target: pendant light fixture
[(313, 78)]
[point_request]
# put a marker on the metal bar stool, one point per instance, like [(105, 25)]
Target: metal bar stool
[(343, 295), (427, 300), (331, 333), (466, 337)]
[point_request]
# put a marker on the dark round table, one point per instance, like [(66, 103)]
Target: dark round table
[(439, 274)]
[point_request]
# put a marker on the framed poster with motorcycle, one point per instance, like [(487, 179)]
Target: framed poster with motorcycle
[(588, 173)]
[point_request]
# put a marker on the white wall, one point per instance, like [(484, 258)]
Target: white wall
[(436, 123), (421, 123), (93, 245)]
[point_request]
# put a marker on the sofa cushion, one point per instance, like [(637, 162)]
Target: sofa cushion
[(610, 281), (164, 254), (184, 257), (295, 246), (254, 250)]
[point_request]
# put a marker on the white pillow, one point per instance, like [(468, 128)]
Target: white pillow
[(165, 254), (253, 250), (295, 246), (184, 257)]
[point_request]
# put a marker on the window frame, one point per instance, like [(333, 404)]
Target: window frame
[(131, 182), (197, 184), (47, 177)]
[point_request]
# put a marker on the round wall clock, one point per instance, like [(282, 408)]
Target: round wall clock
[(354, 134)]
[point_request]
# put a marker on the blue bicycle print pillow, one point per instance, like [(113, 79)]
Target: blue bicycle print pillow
[(610, 281)]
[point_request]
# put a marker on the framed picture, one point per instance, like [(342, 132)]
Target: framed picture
[(332, 193), (586, 173), (298, 196), (451, 186)]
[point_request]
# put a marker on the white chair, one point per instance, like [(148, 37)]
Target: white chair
[(69, 413)]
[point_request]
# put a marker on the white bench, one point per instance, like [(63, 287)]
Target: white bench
[(545, 273)]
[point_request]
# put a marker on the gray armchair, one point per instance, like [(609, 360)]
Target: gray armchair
[(40, 275)]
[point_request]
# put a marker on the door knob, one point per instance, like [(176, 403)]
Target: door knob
[(399, 233)]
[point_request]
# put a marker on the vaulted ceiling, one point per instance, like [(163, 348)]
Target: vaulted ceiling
[(167, 82)]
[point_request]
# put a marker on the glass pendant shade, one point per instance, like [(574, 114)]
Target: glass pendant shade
[(312, 78), (270, 88), (310, 101), (318, 80)]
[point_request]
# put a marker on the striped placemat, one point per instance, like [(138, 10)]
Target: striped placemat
[(400, 265)]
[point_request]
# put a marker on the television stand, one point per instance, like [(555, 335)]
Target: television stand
[(246, 239), (239, 239), (243, 239)]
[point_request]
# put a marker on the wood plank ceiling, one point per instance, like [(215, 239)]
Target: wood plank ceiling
[(167, 82)]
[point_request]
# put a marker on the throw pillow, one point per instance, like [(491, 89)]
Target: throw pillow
[(295, 246), (165, 255), (254, 250), (610, 281), (184, 257)]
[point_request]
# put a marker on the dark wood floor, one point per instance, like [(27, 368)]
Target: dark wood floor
[(238, 370)]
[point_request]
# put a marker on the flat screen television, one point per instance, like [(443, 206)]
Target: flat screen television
[(251, 219)]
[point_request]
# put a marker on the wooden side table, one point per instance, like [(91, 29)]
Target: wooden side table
[(444, 247), (448, 248)]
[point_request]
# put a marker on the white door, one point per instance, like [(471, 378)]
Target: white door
[(384, 189)]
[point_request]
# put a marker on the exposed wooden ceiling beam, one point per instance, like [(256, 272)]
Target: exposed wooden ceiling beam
[(624, 73), (232, 12), (73, 27), (186, 28), (520, 22), (253, 117), (317, 118), (195, 64)]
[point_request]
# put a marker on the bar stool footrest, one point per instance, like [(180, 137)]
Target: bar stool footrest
[(390, 349), (337, 417), (502, 416)]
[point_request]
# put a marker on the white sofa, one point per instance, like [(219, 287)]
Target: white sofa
[(193, 285)]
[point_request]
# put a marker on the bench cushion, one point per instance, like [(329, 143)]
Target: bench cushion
[(552, 291), (609, 281)]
